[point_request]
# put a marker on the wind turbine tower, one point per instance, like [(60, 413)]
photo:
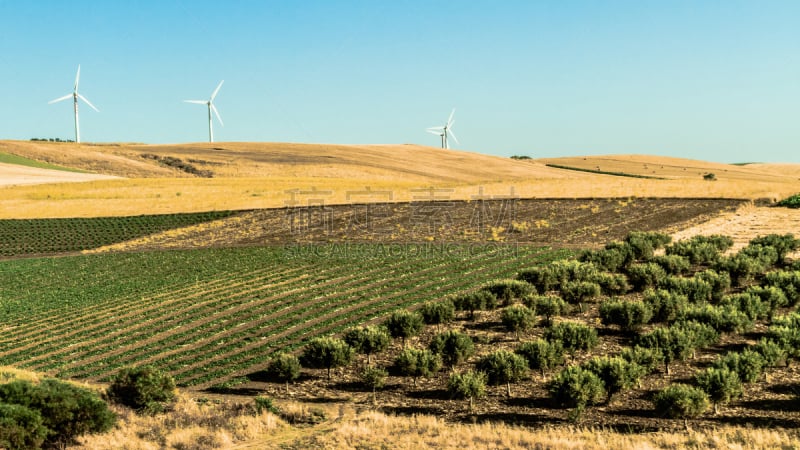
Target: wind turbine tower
[(211, 107), (75, 96), (445, 131)]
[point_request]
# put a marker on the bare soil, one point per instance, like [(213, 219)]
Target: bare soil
[(565, 223)]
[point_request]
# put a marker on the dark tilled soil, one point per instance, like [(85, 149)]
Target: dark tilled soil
[(551, 222)]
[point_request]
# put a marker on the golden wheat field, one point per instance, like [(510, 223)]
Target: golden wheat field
[(263, 175)]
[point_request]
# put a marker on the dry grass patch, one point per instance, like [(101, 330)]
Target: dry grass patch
[(373, 430)]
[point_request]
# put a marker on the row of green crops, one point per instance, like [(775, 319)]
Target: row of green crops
[(209, 315), (20, 237)]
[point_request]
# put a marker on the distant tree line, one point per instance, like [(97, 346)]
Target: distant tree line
[(51, 140)]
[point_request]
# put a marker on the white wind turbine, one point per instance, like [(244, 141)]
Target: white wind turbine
[(75, 96), (445, 131), (210, 104)]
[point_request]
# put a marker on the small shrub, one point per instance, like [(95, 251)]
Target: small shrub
[(503, 367), (696, 290), (673, 264), (374, 378), (578, 292), (788, 282), (412, 362), (748, 364), (438, 312), (709, 177), (543, 278), (326, 353), (700, 334), (644, 243), (701, 249), (265, 404), (720, 282), (790, 202), (628, 315), (145, 389), (783, 244), (724, 318), (647, 358), (616, 373), (542, 355), (646, 276), (453, 346), (475, 301), (548, 306), (766, 256), (367, 340), (771, 352), (673, 344), (575, 387), (284, 368), (680, 401), (508, 290), (612, 283), (665, 305), (470, 385), (518, 318), (721, 385), (404, 324), (609, 259), (750, 305), (572, 336)]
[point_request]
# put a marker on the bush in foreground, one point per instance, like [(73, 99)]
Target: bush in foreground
[(575, 387), (680, 401), (518, 318), (469, 385), (66, 412), (503, 367), (20, 427), (144, 389), (721, 385)]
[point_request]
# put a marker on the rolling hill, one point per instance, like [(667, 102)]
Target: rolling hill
[(166, 179)]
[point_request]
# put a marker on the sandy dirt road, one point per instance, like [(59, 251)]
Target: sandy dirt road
[(15, 175)]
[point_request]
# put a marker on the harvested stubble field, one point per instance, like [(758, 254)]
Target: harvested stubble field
[(259, 175)]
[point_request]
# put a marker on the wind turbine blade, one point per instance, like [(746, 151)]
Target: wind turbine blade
[(60, 99), (77, 78), (453, 135), (450, 120), (438, 133), (199, 102), (216, 90), (217, 113), (88, 102)]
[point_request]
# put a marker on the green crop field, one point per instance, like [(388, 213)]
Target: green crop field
[(210, 315), (20, 237), (22, 161)]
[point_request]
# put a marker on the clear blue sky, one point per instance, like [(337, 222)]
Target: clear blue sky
[(715, 80)]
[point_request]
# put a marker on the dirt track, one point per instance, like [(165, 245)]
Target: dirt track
[(15, 175)]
